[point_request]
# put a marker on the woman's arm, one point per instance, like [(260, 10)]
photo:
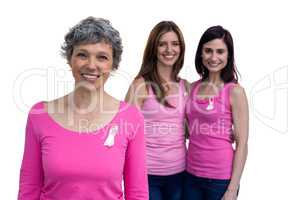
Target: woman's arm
[(137, 93), (240, 114), (187, 87), (135, 172), (31, 174)]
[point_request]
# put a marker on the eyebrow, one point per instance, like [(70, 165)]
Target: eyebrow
[(100, 52), (212, 48), (166, 41)]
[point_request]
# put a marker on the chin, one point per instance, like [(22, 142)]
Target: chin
[(168, 64), (215, 70), (88, 85)]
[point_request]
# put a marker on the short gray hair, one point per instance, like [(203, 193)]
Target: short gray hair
[(90, 31)]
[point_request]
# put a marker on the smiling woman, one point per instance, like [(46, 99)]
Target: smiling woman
[(81, 146), (85, 60), (161, 94), (217, 114)]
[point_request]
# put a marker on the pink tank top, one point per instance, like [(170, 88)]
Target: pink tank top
[(164, 133), (210, 151)]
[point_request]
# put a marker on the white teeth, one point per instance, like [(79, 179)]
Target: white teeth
[(213, 65), (169, 57), (90, 76)]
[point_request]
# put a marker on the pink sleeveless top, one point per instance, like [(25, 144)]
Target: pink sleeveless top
[(210, 151), (164, 133)]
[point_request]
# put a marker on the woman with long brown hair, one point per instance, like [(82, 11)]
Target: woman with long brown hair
[(160, 95)]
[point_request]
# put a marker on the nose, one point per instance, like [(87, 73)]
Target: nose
[(214, 56), (168, 48), (92, 63)]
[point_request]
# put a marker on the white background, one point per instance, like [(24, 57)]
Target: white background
[(266, 36)]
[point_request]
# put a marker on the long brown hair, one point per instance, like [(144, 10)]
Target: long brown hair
[(149, 66)]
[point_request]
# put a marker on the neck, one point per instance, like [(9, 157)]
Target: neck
[(215, 78), (164, 72), (83, 99)]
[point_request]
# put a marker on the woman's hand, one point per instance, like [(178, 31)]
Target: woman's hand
[(230, 195)]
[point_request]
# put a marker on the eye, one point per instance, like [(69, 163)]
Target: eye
[(161, 44), (81, 55), (102, 57), (221, 51), (207, 50), (176, 43)]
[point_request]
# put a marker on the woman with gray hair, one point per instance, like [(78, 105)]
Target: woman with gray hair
[(80, 146)]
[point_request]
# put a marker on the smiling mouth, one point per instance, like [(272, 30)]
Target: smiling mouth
[(90, 77), (214, 65), (169, 57)]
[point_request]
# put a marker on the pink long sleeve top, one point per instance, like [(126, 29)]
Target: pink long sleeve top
[(60, 164)]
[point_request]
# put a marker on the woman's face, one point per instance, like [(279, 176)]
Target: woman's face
[(91, 64), (168, 49), (215, 55)]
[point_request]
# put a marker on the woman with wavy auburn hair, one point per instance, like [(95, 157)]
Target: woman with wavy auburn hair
[(160, 94)]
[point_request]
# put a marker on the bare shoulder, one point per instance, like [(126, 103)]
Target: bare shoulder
[(139, 85), (137, 92), (237, 94), (187, 84), (138, 81), (237, 90)]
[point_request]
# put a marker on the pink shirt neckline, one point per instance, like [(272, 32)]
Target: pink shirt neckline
[(205, 100), (98, 130)]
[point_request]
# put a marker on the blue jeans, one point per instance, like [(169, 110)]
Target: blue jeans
[(166, 187), (197, 188)]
